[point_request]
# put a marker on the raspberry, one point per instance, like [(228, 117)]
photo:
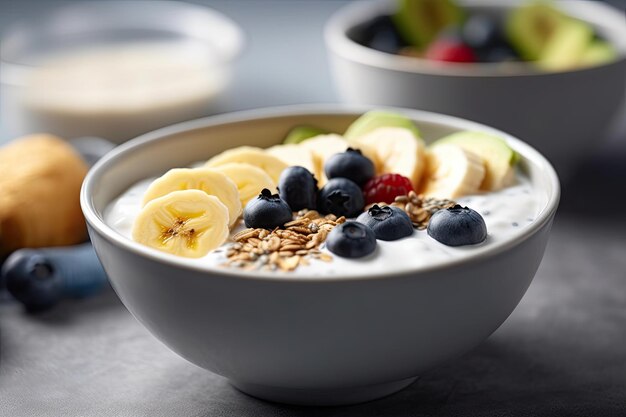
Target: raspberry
[(450, 51), (385, 188)]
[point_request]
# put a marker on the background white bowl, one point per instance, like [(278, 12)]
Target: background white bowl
[(563, 114), (312, 340), (208, 40)]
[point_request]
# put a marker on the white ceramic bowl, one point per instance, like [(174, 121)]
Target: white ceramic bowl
[(309, 340), (563, 114), (152, 41)]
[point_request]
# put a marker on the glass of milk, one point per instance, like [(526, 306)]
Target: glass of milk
[(115, 69)]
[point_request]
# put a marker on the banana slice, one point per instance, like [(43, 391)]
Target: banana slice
[(187, 223), (208, 180), (452, 172), (399, 151), (325, 146), (294, 155), (249, 179), (253, 156)]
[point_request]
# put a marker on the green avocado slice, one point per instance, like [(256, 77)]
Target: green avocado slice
[(420, 21), (374, 119), (530, 26), (598, 53), (567, 46), (301, 133)]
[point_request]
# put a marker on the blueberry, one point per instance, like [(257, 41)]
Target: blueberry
[(298, 187), (387, 222), (457, 226), (381, 34), (350, 164), (482, 32), (341, 197), (351, 240), (39, 278), (32, 279), (267, 211)]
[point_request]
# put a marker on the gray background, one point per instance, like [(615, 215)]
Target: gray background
[(562, 352)]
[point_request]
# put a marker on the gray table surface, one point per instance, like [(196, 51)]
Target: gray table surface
[(561, 353)]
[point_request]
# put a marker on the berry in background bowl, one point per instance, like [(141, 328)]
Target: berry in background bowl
[(551, 73), (277, 309)]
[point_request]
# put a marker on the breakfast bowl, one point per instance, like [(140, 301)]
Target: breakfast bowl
[(343, 337), (562, 113)]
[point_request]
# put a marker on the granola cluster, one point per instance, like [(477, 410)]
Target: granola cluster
[(283, 248)]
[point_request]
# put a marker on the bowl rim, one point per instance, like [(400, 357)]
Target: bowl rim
[(98, 225), (357, 12)]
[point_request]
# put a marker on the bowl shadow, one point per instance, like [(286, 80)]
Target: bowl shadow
[(499, 378)]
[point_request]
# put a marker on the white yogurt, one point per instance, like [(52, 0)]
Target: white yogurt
[(506, 212)]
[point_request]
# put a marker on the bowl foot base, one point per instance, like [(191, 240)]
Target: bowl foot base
[(321, 397)]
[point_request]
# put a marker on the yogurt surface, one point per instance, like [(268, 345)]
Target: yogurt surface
[(506, 212)]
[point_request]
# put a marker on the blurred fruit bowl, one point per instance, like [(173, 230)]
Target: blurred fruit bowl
[(564, 113)]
